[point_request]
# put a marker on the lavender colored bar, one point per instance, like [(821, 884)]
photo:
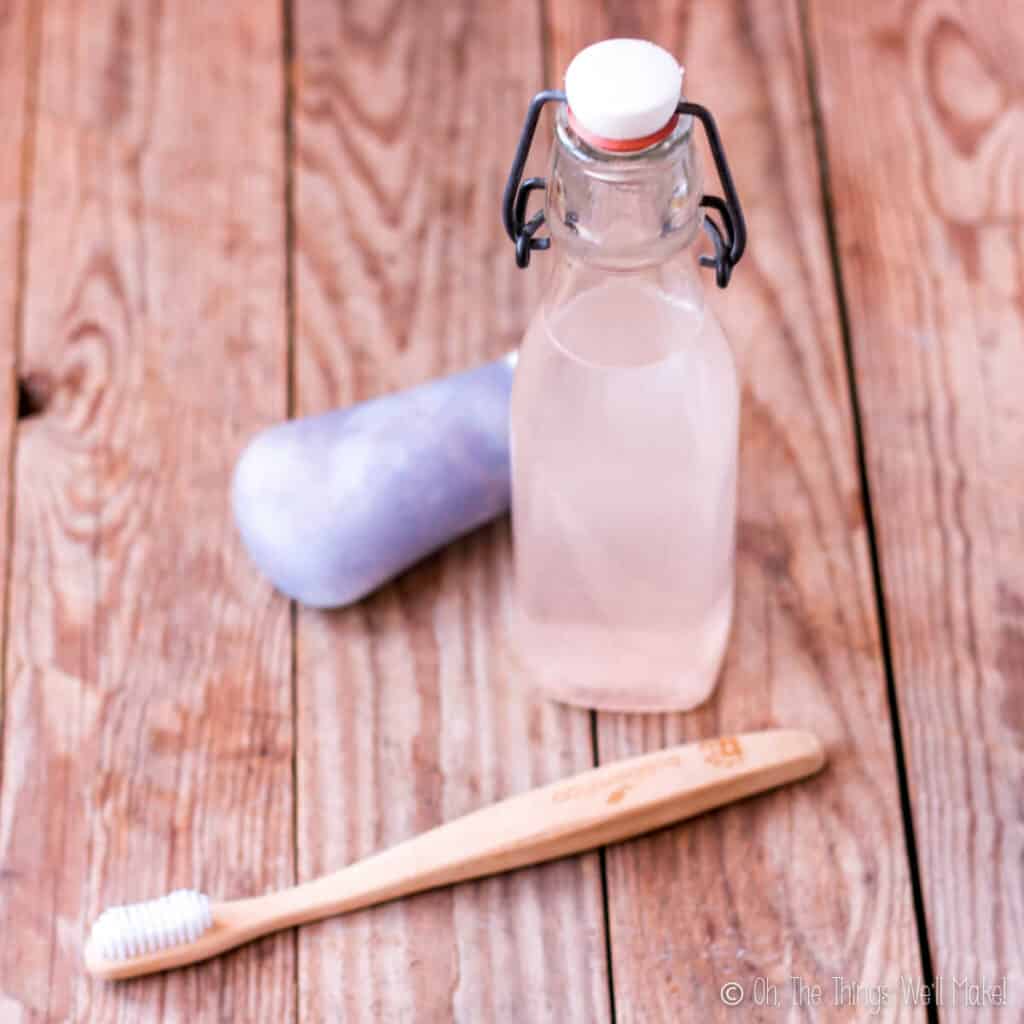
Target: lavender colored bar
[(332, 506)]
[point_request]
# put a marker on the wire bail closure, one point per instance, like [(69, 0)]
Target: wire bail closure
[(728, 237)]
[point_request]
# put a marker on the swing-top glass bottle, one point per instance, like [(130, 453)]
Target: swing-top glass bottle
[(625, 406)]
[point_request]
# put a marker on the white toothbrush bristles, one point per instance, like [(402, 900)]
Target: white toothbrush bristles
[(124, 932)]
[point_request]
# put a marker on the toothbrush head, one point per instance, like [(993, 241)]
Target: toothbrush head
[(140, 929)]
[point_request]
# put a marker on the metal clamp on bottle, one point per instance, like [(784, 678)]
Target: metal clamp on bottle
[(728, 237), (517, 192)]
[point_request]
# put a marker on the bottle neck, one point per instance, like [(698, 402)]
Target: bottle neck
[(623, 211)]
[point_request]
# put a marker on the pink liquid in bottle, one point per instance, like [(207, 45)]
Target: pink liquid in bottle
[(624, 426)]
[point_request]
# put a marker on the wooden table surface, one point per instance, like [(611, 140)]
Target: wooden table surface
[(217, 215)]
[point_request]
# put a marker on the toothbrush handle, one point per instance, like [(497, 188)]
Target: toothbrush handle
[(601, 806)]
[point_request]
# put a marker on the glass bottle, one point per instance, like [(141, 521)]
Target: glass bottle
[(624, 428)]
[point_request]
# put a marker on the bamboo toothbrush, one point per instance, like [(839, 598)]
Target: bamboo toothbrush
[(601, 806)]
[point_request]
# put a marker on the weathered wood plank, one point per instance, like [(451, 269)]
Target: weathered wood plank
[(411, 709), (17, 34), (923, 106), (147, 740), (813, 881)]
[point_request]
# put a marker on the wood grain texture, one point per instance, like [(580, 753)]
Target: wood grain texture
[(17, 35), (410, 708), (929, 209), (812, 881), (147, 739)]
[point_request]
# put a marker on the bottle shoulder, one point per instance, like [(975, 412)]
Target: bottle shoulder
[(617, 321)]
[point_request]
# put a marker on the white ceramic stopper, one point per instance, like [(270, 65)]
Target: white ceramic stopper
[(623, 88)]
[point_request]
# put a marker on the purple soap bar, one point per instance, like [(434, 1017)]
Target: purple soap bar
[(332, 506)]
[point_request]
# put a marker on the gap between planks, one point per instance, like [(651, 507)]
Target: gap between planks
[(835, 261), (30, 72), (288, 138)]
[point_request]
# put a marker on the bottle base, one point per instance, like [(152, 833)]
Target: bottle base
[(633, 672), (635, 704)]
